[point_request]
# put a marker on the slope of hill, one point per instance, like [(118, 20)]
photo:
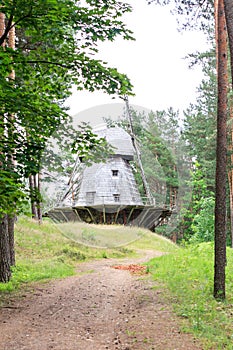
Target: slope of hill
[(52, 251)]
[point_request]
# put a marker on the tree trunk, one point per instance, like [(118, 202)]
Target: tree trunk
[(11, 44), (5, 240), (230, 181), (5, 271), (34, 184), (32, 195), (11, 161), (221, 156), (39, 204), (229, 23), (35, 196), (230, 170), (11, 236), (2, 26)]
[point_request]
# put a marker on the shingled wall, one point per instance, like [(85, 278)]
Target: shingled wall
[(109, 183)]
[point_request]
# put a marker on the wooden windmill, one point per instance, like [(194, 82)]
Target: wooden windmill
[(107, 192)]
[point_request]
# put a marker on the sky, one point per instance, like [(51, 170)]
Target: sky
[(154, 62)]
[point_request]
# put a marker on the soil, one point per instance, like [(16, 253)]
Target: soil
[(99, 308)]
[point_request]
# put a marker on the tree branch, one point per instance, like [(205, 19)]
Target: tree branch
[(51, 63), (10, 25)]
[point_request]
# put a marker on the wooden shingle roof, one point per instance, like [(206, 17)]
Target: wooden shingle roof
[(120, 140)]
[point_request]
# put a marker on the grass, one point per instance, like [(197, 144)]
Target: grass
[(115, 236), (153, 241), (187, 276), (103, 236), (44, 252)]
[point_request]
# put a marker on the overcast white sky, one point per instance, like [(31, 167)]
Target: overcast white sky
[(154, 62)]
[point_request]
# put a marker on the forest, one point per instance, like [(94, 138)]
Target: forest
[(46, 47)]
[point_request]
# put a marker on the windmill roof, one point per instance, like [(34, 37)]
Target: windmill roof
[(119, 139)]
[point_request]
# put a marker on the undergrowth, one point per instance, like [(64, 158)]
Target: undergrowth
[(187, 275)]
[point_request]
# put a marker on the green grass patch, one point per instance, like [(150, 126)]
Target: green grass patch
[(100, 236), (25, 273), (152, 241), (125, 238), (187, 275)]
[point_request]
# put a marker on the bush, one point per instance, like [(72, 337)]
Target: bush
[(203, 222)]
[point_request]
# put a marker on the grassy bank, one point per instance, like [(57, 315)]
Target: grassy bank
[(187, 275), (53, 251)]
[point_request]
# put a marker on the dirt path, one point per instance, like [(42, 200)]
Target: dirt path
[(100, 308)]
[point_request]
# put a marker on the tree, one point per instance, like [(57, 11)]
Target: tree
[(229, 23), (199, 127), (221, 155), (230, 167), (207, 11), (199, 135), (55, 47), (200, 194), (203, 222)]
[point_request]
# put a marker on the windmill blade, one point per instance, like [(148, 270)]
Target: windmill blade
[(138, 155)]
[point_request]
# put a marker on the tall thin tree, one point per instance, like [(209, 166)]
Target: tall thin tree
[(221, 153), (5, 272), (10, 156), (229, 23)]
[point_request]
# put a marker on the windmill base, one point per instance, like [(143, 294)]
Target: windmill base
[(142, 216)]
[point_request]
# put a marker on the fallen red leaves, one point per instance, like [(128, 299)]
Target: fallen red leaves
[(132, 268)]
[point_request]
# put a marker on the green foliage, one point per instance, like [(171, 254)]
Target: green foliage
[(199, 130), (73, 253), (199, 134), (89, 147), (188, 276), (56, 42), (203, 222), (200, 207)]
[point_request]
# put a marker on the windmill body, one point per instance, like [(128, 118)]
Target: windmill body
[(107, 192), (111, 182)]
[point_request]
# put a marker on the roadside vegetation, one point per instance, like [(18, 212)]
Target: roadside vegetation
[(187, 276)]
